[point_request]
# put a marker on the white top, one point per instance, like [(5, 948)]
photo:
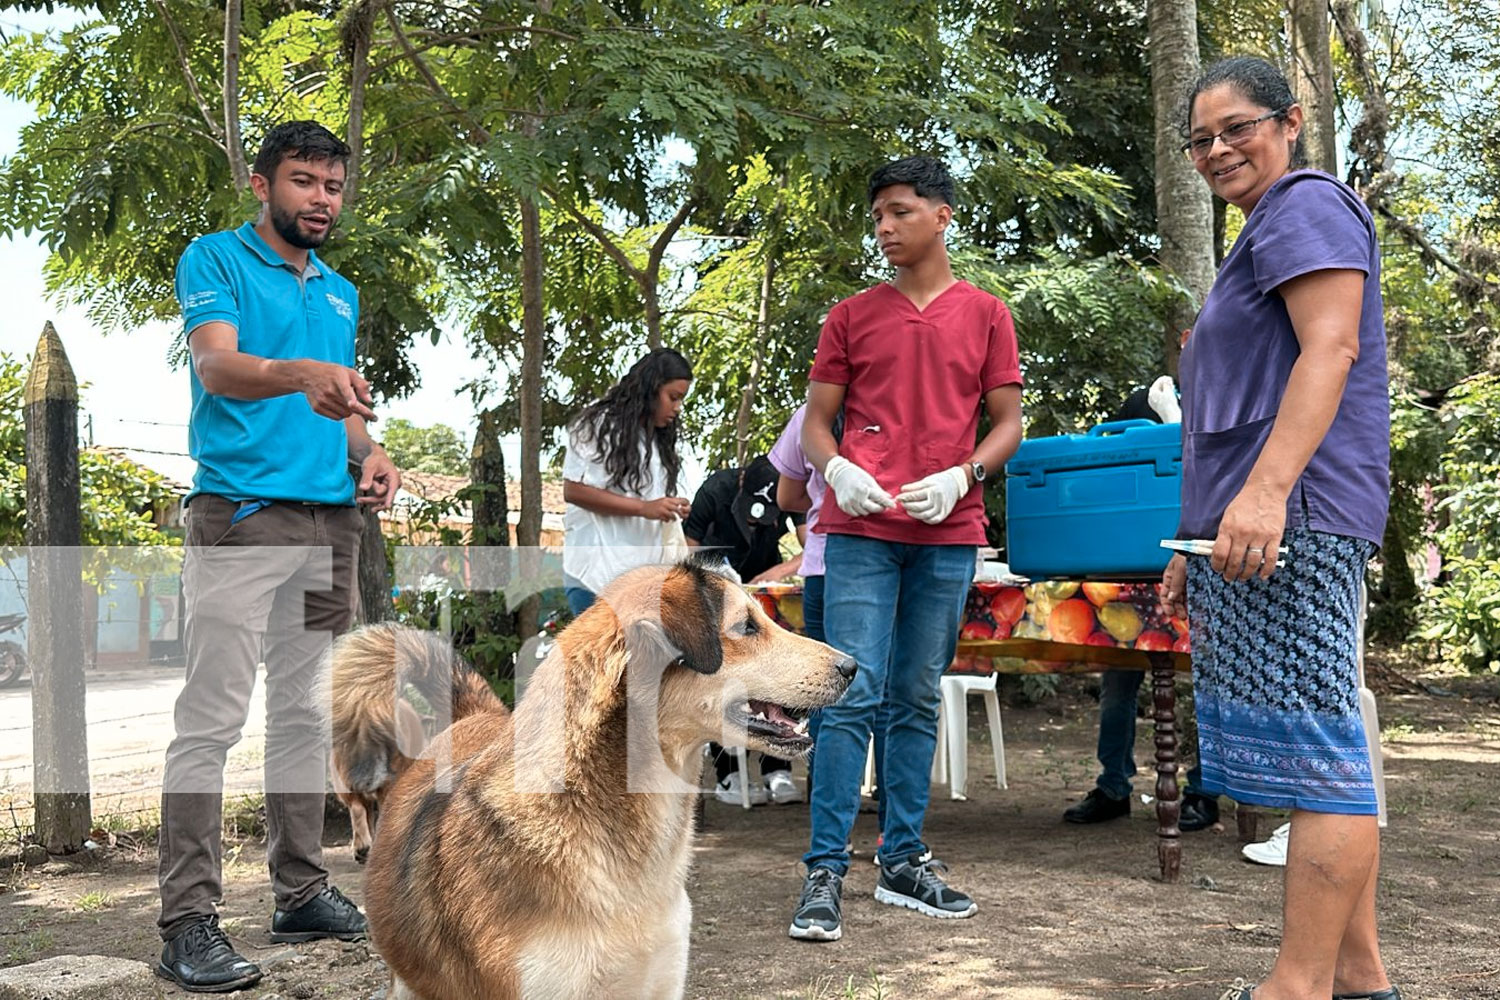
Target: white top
[(599, 547)]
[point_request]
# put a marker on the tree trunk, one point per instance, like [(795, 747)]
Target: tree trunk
[(1312, 80), (534, 345), (757, 363), (375, 603), (358, 29), (1184, 207), (233, 144), (489, 504), (55, 646), (653, 318), (374, 568)]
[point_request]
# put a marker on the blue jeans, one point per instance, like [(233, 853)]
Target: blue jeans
[(895, 608), (812, 627), (1117, 707), (580, 599)]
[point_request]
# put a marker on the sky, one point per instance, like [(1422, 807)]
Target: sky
[(133, 398)]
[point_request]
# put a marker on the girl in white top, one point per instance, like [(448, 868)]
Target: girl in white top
[(620, 476)]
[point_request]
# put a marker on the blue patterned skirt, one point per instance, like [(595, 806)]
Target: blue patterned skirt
[(1276, 678)]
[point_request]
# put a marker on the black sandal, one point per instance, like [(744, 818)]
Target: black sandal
[(1389, 993)]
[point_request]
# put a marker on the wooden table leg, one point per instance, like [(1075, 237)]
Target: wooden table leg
[(1168, 803), (1246, 819)]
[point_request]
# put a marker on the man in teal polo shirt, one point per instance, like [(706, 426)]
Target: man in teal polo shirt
[(278, 418)]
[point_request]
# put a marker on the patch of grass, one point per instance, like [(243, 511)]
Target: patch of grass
[(245, 817), (831, 989), (143, 823), (232, 865), (1397, 730), (93, 902), (28, 947)]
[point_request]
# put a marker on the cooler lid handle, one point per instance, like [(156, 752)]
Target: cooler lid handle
[(1118, 427)]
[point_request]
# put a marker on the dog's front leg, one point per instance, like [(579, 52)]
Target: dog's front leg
[(666, 975), (400, 991)]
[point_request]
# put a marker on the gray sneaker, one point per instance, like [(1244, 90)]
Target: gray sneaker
[(817, 916), (916, 885)]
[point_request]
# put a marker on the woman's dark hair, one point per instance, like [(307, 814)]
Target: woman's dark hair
[(1258, 82), (616, 420)]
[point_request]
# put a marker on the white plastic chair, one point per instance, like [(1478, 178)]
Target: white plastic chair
[(950, 763), (742, 755), (953, 728)]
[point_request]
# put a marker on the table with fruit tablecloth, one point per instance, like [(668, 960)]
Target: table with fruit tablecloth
[(1069, 627)]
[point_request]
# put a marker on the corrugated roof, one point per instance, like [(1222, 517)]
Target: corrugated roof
[(431, 486)]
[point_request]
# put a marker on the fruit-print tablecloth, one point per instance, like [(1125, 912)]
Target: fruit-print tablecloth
[(1034, 629)]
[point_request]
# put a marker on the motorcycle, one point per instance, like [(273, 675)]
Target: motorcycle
[(12, 654)]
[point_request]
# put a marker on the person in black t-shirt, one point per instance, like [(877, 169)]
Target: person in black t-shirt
[(735, 513)]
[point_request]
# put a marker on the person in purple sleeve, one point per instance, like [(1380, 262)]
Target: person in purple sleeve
[(1286, 447), (802, 488)]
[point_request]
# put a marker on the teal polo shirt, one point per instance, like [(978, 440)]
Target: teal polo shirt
[(278, 448)]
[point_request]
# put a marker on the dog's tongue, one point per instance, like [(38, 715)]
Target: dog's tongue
[(773, 713)]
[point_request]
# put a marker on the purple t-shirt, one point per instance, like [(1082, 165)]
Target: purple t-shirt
[(1236, 363), (790, 461)]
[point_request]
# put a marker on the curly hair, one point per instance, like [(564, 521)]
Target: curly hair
[(615, 422)]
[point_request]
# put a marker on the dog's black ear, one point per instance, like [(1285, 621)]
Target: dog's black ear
[(692, 608)]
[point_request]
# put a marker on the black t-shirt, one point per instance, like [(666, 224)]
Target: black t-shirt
[(714, 523)]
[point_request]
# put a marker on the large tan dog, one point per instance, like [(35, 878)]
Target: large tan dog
[(544, 856)]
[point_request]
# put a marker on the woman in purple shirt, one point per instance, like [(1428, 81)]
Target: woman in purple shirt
[(1286, 436)]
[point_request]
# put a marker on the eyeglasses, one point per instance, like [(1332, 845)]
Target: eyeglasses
[(1236, 134)]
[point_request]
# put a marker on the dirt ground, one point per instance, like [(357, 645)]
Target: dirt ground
[(1064, 912)]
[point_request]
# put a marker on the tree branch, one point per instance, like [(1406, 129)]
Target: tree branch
[(232, 142), (441, 37), (659, 246), (1414, 234), (477, 132), (1370, 144), (599, 233), (187, 72), (357, 31)]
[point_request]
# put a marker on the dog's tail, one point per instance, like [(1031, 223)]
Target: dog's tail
[(371, 668)]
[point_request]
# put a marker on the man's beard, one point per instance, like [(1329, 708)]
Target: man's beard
[(285, 224)]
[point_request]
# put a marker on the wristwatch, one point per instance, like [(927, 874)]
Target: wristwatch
[(978, 469)]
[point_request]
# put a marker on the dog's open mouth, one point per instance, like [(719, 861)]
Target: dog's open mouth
[(785, 728)]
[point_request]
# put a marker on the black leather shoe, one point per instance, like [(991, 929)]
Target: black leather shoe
[(1199, 812), (329, 914), (1097, 807), (201, 960), (1389, 993)]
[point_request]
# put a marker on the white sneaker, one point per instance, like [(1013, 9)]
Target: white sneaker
[(782, 788), (1272, 851), (728, 791)]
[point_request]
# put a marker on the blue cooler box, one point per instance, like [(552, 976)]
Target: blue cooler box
[(1095, 504)]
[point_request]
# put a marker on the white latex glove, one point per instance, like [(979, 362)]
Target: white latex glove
[(932, 499), (855, 490), (1162, 397)]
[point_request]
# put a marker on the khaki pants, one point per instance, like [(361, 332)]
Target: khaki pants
[(275, 586)]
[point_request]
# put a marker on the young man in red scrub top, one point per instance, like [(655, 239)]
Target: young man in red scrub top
[(911, 362)]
